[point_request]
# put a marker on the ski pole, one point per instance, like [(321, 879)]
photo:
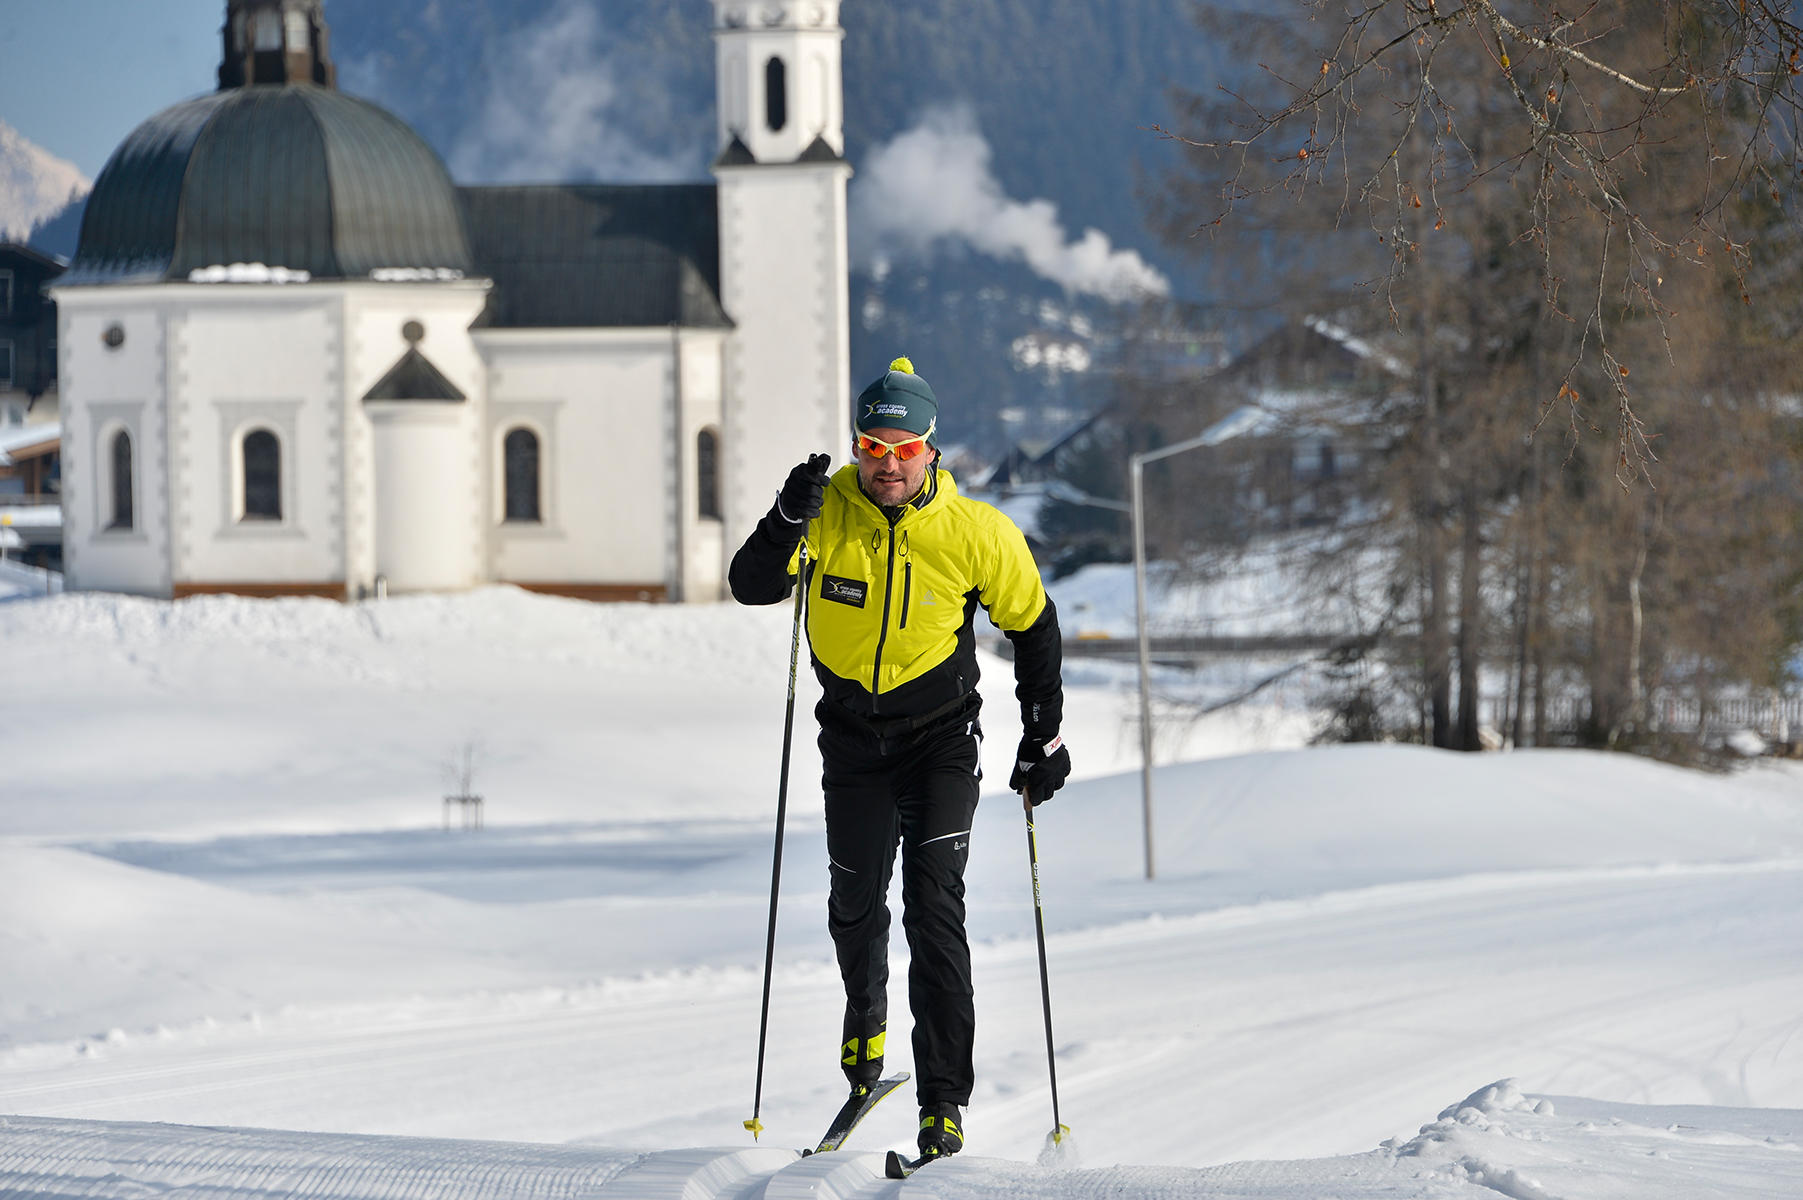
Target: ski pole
[(1059, 1128), (776, 868)]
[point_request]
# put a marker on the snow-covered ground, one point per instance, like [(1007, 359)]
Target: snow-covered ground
[(240, 956)]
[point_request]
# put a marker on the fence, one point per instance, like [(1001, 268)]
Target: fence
[(1775, 717)]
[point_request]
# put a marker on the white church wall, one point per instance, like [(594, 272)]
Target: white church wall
[(111, 375), (703, 542), (257, 359), (783, 279), (600, 404), (423, 477), (376, 316)]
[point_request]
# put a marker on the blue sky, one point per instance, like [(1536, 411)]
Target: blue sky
[(81, 74)]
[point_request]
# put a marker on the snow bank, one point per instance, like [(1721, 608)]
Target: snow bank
[(1533, 1148)]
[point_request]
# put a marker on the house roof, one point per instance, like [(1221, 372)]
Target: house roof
[(16, 253), (598, 255), (28, 441)]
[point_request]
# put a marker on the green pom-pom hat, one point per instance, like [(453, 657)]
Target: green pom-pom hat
[(900, 400)]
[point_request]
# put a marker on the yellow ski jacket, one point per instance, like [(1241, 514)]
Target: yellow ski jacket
[(892, 598)]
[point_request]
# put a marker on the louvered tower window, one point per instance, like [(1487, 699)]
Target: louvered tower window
[(776, 94)]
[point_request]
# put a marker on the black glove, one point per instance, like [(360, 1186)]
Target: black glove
[(1041, 765), (803, 491)]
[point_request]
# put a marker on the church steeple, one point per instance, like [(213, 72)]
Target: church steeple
[(778, 79), (276, 41)]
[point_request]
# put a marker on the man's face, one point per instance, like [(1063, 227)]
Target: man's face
[(888, 480)]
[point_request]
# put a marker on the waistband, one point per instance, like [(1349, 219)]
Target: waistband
[(888, 732)]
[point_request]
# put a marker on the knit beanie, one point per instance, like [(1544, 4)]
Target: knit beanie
[(900, 400)]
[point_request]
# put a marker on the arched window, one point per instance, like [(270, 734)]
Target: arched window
[(707, 475), (262, 477), (776, 94), (123, 516), (519, 454)]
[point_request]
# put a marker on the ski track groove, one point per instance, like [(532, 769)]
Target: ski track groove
[(73, 1159)]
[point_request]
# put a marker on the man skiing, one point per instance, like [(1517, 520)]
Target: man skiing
[(898, 562)]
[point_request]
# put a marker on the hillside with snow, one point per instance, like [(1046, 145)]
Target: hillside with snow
[(243, 956), (35, 185)]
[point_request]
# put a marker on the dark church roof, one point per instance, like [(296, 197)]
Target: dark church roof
[(415, 377), (585, 255), (296, 176)]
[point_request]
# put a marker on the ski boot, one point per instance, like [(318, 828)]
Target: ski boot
[(941, 1131)]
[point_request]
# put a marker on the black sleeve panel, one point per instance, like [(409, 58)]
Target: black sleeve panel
[(759, 573), (1039, 673)]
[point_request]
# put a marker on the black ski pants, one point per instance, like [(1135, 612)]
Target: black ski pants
[(920, 793)]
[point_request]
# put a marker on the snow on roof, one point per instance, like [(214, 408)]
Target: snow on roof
[(31, 516), (1246, 420), (1356, 345), (25, 437), (239, 272)]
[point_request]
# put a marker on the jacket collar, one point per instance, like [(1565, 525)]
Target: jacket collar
[(939, 487)]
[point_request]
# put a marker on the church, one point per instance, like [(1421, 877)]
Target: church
[(296, 358)]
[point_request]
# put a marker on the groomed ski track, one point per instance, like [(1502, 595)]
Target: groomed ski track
[(1416, 992), (1497, 1142)]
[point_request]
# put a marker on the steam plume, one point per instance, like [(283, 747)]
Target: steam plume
[(933, 185)]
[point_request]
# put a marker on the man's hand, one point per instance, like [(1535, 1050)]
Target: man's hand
[(1041, 765), (803, 492)]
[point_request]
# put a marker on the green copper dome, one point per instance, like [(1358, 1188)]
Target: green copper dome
[(295, 176)]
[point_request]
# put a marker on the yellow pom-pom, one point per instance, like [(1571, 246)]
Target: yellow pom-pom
[(902, 364)]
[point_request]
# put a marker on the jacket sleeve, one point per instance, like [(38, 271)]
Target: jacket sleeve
[(763, 569), (1039, 673), (1016, 601)]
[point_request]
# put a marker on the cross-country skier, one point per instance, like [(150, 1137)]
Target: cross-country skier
[(898, 563)]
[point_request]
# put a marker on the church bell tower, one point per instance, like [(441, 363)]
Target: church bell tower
[(779, 76), (276, 41), (783, 257)]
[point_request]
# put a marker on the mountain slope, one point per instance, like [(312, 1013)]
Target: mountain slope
[(35, 185)]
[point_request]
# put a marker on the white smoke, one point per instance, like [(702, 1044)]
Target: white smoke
[(932, 184), (546, 117)]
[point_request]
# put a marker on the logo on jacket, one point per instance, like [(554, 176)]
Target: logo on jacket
[(840, 590)]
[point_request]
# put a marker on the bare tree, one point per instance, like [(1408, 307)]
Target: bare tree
[(1644, 140), (459, 773)]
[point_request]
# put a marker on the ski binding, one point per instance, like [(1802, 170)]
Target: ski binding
[(856, 1109), (897, 1167)]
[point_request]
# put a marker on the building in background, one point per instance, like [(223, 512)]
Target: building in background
[(31, 522), (296, 358)]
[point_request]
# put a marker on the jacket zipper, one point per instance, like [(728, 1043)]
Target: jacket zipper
[(907, 591), (876, 667)]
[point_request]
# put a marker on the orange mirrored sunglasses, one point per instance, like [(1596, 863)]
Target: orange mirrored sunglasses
[(905, 450)]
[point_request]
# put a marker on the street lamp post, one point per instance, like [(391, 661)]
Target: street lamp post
[(1136, 472)]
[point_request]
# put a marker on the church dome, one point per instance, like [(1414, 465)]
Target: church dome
[(297, 176)]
